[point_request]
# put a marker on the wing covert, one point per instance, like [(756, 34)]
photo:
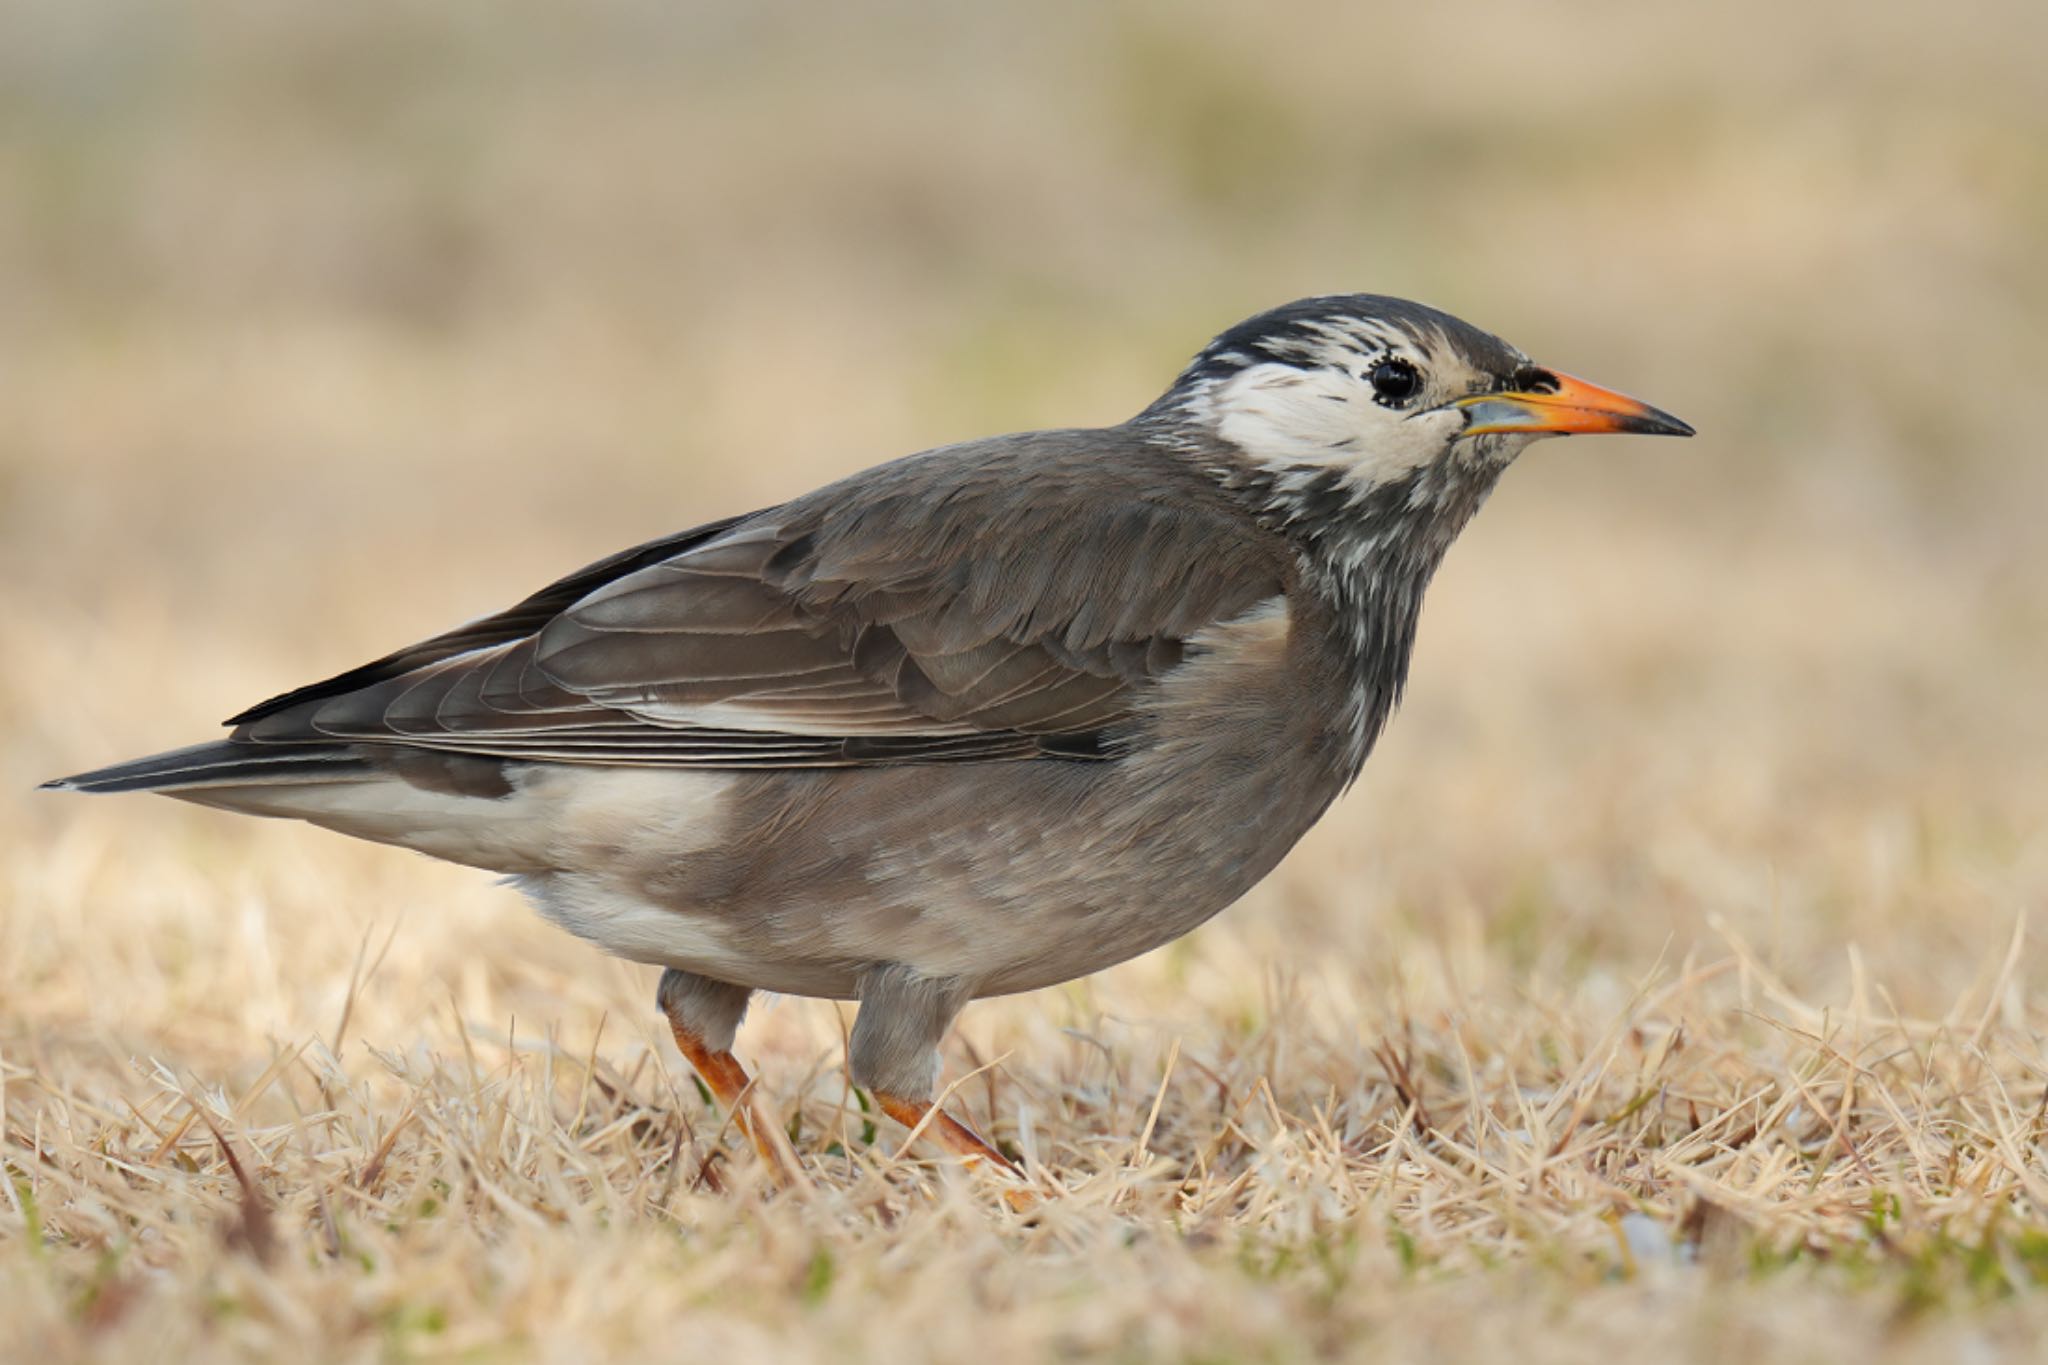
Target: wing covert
[(1009, 599)]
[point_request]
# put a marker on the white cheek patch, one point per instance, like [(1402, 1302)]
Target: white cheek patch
[(1288, 417)]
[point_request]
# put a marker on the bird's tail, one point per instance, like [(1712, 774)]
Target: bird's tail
[(222, 763)]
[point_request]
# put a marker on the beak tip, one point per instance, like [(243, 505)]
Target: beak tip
[(1655, 423)]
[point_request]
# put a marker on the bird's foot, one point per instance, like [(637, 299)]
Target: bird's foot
[(925, 1119), (730, 1085)]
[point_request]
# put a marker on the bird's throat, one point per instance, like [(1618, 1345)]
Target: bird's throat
[(1369, 557)]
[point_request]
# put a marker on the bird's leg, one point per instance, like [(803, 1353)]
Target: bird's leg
[(894, 1052), (705, 1016), (945, 1130)]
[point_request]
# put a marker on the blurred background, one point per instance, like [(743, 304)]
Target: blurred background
[(322, 327)]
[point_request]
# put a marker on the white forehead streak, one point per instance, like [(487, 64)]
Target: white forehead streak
[(1359, 334)]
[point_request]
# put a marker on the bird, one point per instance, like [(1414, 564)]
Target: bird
[(973, 722)]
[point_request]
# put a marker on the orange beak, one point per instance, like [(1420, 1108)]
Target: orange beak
[(1563, 406)]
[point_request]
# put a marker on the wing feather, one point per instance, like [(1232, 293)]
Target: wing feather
[(1008, 599)]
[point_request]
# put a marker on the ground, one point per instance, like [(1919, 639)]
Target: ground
[(1669, 985)]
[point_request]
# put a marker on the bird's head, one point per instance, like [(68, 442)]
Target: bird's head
[(1357, 392)]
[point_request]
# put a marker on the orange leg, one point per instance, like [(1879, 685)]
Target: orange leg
[(729, 1083), (947, 1132), (956, 1137)]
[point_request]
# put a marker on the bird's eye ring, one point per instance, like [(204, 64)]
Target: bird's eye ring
[(1394, 381)]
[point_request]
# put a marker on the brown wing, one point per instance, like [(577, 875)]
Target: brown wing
[(1000, 600)]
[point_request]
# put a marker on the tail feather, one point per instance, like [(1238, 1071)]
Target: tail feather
[(222, 763)]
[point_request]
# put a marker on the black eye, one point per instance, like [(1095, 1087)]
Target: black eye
[(1535, 379), (1394, 380)]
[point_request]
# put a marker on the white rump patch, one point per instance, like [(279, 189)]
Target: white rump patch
[(557, 815), (596, 910)]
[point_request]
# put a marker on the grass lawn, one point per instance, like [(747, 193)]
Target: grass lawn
[(1669, 988)]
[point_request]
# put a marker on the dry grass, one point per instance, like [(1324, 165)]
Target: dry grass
[(1668, 986)]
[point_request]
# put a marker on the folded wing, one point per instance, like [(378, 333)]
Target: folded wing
[(1005, 600)]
